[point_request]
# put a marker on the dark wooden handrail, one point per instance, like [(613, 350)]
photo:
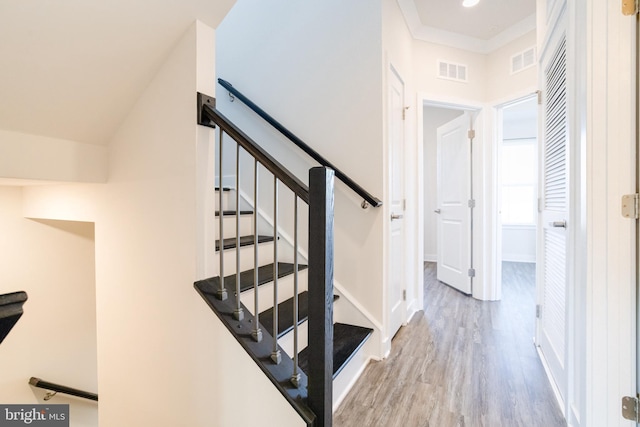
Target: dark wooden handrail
[(208, 115), (370, 199), (37, 382)]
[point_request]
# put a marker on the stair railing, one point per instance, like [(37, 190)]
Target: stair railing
[(368, 198), (57, 388), (310, 394)]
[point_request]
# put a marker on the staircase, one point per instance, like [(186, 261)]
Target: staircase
[(347, 339)]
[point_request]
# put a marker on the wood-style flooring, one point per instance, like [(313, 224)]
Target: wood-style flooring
[(461, 362)]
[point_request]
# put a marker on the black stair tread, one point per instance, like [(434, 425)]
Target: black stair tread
[(230, 242), (232, 212), (285, 314), (223, 188), (10, 311), (347, 340), (265, 275)]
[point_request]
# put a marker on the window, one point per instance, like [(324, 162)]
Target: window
[(519, 182)]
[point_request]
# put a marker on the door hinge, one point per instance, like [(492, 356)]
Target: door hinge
[(540, 205), (404, 295), (629, 7), (404, 113), (630, 206), (472, 272), (471, 133), (538, 311), (539, 92), (630, 408), (472, 203), (404, 204)]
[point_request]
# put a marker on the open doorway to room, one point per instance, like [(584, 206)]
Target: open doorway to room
[(517, 167)]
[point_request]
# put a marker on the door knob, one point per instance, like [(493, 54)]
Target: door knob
[(396, 216), (437, 211), (559, 224)]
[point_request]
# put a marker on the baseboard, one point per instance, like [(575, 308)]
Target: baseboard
[(552, 382)]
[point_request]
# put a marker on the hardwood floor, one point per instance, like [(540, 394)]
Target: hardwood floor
[(461, 362)]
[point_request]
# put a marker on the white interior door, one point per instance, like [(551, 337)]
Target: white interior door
[(552, 230), (396, 292), (454, 219)]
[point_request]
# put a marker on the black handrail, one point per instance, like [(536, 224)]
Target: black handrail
[(207, 108), (370, 199), (37, 382)]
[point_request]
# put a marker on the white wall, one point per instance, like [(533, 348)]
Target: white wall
[(434, 117), (26, 156), (425, 60), (317, 68), (55, 340), (500, 83)]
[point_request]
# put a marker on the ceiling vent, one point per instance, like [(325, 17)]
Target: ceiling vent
[(451, 71), (523, 60)]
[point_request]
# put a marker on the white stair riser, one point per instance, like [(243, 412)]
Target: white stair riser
[(229, 225), (350, 373), (228, 199), (265, 256), (286, 342), (265, 292)]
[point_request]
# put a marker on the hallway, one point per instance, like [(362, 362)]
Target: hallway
[(461, 362)]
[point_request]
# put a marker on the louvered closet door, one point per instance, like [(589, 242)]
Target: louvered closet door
[(554, 187)]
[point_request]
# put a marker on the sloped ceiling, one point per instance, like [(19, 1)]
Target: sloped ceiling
[(72, 69), (482, 28)]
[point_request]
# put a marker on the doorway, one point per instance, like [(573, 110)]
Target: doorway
[(449, 215), (516, 190)]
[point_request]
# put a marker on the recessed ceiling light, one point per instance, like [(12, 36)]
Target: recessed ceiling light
[(470, 3)]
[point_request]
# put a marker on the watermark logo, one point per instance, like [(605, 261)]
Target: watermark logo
[(34, 415)]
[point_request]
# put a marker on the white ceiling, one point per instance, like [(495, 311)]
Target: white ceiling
[(482, 28), (72, 69)]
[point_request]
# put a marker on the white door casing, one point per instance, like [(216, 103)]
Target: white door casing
[(454, 190), (554, 213), (396, 292)]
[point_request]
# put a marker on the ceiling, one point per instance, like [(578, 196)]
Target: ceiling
[(72, 69), (482, 28)]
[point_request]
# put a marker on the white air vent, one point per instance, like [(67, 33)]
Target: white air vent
[(451, 71), (523, 60)]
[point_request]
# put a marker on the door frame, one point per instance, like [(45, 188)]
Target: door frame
[(479, 124)]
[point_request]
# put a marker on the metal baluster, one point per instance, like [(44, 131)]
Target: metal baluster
[(222, 292), (295, 378), (275, 353), (257, 331), (238, 313)]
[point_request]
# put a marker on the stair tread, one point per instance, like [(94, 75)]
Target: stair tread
[(10, 311), (223, 189), (232, 212), (347, 340), (230, 243), (265, 275), (285, 314)]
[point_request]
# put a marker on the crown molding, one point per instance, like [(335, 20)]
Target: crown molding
[(460, 41)]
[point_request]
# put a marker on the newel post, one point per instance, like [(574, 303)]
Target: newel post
[(320, 375)]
